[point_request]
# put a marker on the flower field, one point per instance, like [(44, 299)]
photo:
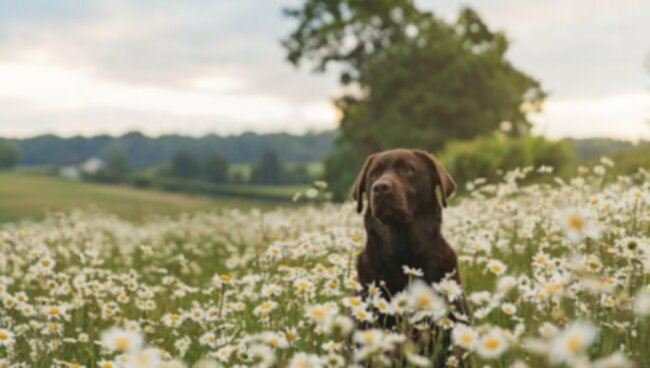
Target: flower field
[(557, 273)]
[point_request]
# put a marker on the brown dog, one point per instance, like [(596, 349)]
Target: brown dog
[(403, 220)]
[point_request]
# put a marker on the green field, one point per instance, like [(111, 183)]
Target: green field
[(245, 170), (24, 195)]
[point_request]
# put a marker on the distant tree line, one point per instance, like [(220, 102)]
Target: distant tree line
[(268, 170), (143, 151), (9, 155)]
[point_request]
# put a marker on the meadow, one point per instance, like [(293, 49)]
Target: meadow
[(557, 273), (31, 195)]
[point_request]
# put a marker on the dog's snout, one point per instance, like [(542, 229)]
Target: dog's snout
[(382, 187)]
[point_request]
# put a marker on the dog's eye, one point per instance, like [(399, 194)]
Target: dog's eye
[(407, 170), (374, 174)]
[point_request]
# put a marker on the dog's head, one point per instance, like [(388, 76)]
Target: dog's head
[(400, 183)]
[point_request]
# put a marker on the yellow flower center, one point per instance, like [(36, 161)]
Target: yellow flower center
[(467, 338), (4, 335), (575, 222), (122, 343), (491, 343), (574, 344)]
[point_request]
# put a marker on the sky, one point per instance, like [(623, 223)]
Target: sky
[(195, 67)]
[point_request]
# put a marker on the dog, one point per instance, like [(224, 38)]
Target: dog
[(407, 190)]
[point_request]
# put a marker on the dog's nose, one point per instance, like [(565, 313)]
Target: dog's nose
[(382, 187)]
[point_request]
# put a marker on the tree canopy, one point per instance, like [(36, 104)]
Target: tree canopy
[(410, 78)]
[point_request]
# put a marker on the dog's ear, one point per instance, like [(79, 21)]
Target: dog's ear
[(359, 186), (440, 177)]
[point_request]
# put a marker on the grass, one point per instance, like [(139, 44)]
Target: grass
[(245, 170), (30, 196)]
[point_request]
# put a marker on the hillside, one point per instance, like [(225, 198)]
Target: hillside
[(25, 196), (144, 151)]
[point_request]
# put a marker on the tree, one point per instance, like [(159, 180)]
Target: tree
[(185, 165), (116, 168), (269, 170), (412, 79), (9, 156), (215, 168)]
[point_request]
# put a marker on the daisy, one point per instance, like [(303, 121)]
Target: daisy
[(642, 303), (261, 355), (340, 326), (496, 267), (319, 313), (6, 337), (449, 288), (413, 272), (117, 339), (492, 344), (577, 224), (464, 336), (148, 358), (508, 308), (304, 360), (572, 342), (421, 297)]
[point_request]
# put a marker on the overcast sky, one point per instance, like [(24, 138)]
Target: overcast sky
[(195, 67)]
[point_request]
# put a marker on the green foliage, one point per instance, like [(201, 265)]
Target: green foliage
[(269, 170), (632, 160), (185, 165), (415, 80), (486, 156), (143, 151), (27, 195), (116, 169), (215, 168), (9, 156), (593, 148)]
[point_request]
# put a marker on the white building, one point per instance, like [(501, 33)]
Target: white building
[(75, 171)]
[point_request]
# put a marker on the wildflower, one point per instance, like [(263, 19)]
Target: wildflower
[(6, 337), (209, 339), (548, 330), (362, 315), (368, 337), (117, 339), (413, 272), (422, 297), (340, 326), (261, 355), (275, 340), (303, 286), (496, 267), (642, 303), (106, 364), (492, 344), (221, 280), (148, 358), (508, 308), (577, 224), (304, 360), (320, 313), (464, 336), (449, 288), (572, 342), (418, 360)]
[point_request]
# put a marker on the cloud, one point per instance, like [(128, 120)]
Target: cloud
[(217, 66), (624, 116), (44, 88)]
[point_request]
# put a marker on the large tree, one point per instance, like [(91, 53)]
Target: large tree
[(9, 156), (411, 78)]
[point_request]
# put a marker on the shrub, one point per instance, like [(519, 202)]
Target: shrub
[(485, 156)]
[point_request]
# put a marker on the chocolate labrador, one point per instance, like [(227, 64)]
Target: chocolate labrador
[(407, 190)]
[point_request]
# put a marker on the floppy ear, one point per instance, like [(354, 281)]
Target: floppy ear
[(442, 177), (359, 186)]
